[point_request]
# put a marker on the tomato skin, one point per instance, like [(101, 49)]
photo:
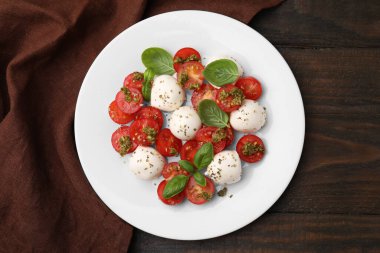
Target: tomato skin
[(122, 141), (250, 86), (173, 169), (173, 200), (229, 98), (213, 135), (117, 115), (189, 149), (134, 80), (167, 144), (250, 144), (206, 91), (190, 75), (230, 136), (131, 102), (183, 55), (150, 112), (197, 194), (144, 131)]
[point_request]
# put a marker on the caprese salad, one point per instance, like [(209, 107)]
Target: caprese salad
[(223, 101)]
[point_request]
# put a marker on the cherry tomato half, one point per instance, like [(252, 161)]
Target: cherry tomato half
[(250, 86), (206, 91), (197, 194), (189, 149), (150, 112), (118, 116), (173, 169), (167, 144), (173, 200), (229, 98), (190, 75), (122, 141), (217, 136), (185, 54), (229, 136), (250, 148), (144, 131), (134, 80), (129, 100)]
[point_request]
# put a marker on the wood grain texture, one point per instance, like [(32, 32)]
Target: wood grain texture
[(339, 170), (321, 23), (280, 233)]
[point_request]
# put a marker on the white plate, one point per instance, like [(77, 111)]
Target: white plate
[(136, 201)]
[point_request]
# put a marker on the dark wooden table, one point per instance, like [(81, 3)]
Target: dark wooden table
[(333, 202)]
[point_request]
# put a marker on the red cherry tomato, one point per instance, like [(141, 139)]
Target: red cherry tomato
[(250, 86), (129, 100), (250, 148), (206, 91), (189, 149), (134, 80), (185, 54), (229, 98), (122, 141), (118, 116), (229, 136), (144, 131), (167, 144), (173, 200), (197, 194), (150, 112), (190, 75), (173, 169), (217, 136)]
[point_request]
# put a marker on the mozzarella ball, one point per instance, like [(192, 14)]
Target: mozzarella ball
[(167, 95), (225, 168), (250, 117), (146, 163), (184, 123), (240, 68)]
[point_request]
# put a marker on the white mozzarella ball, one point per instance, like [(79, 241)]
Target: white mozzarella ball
[(250, 117), (146, 163), (167, 95), (184, 123), (225, 168)]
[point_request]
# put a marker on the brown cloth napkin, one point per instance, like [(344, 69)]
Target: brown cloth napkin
[(46, 48)]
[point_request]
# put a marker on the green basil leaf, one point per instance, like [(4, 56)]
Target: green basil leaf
[(186, 165), (211, 114), (204, 156), (159, 60), (147, 84), (175, 186), (200, 179), (221, 72)]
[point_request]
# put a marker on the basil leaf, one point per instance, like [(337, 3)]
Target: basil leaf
[(200, 179), (211, 114), (175, 186), (147, 84), (186, 165), (159, 60), (221, 72), (204, 155)]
